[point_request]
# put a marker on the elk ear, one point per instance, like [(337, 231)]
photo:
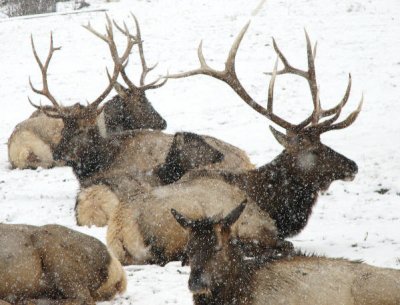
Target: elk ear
[(182, 220), (234, 215), (280, 137)]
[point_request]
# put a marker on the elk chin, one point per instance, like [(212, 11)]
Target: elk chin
[(349, 177)]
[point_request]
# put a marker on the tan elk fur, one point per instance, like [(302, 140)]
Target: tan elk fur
[(145, 225), (132, 173), (54, 262), (324, 281), (30, 145), (97, 203)]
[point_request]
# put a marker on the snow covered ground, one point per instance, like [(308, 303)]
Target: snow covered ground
[(358, 219)]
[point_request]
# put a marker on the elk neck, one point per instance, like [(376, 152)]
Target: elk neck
[(96, 154), (286, 193)]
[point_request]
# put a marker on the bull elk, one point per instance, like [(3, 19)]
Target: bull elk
[(122, 164), (55, 265), (287, 188), (32, 142), (222, 275)]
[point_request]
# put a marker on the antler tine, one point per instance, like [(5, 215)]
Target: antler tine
[(272, 116), (343, 124), (145, 69), (46, 112), (309, 75), (228, 75), (342, 103), (118, 61), (156, 83), (43, 68)]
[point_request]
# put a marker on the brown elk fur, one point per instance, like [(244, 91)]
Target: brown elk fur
[(56, 263), (129, 166), (221, 275), (143, 230)]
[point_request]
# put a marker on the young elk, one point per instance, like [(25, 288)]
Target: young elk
[(123, 164), (287, 188), (32, 142), (221, 275), (55, 265)]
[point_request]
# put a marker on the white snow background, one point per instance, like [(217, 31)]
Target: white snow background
[(352, 219)]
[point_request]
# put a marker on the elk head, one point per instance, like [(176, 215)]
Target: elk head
[(306, 155), (135, 110), (82, 132), (208, 250)]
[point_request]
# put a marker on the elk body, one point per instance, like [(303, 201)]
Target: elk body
[(120, 167), (287, 188), (32, 142), (54, 263), (142, 230), (222, 275)]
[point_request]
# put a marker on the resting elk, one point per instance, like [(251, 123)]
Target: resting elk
[(286, 188), (222, 275), (32, 142), (55, 265), (115, 165)]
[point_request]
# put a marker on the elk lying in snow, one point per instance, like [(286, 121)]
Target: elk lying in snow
[(110, 166), (221, 275), (143, 231), (57, 264), (287, 188), (120, 167), (33, 140)]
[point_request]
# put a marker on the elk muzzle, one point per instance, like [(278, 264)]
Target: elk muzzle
[(199, 282)]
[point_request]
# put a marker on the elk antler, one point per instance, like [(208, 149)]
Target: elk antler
[(145, 69), (43, 68), (119, 62), (228, 75), (318, 112), (92, 108)]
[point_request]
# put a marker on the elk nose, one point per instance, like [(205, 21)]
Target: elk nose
[(163, 124), (353, 167), (198, 282), (351, 171)]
